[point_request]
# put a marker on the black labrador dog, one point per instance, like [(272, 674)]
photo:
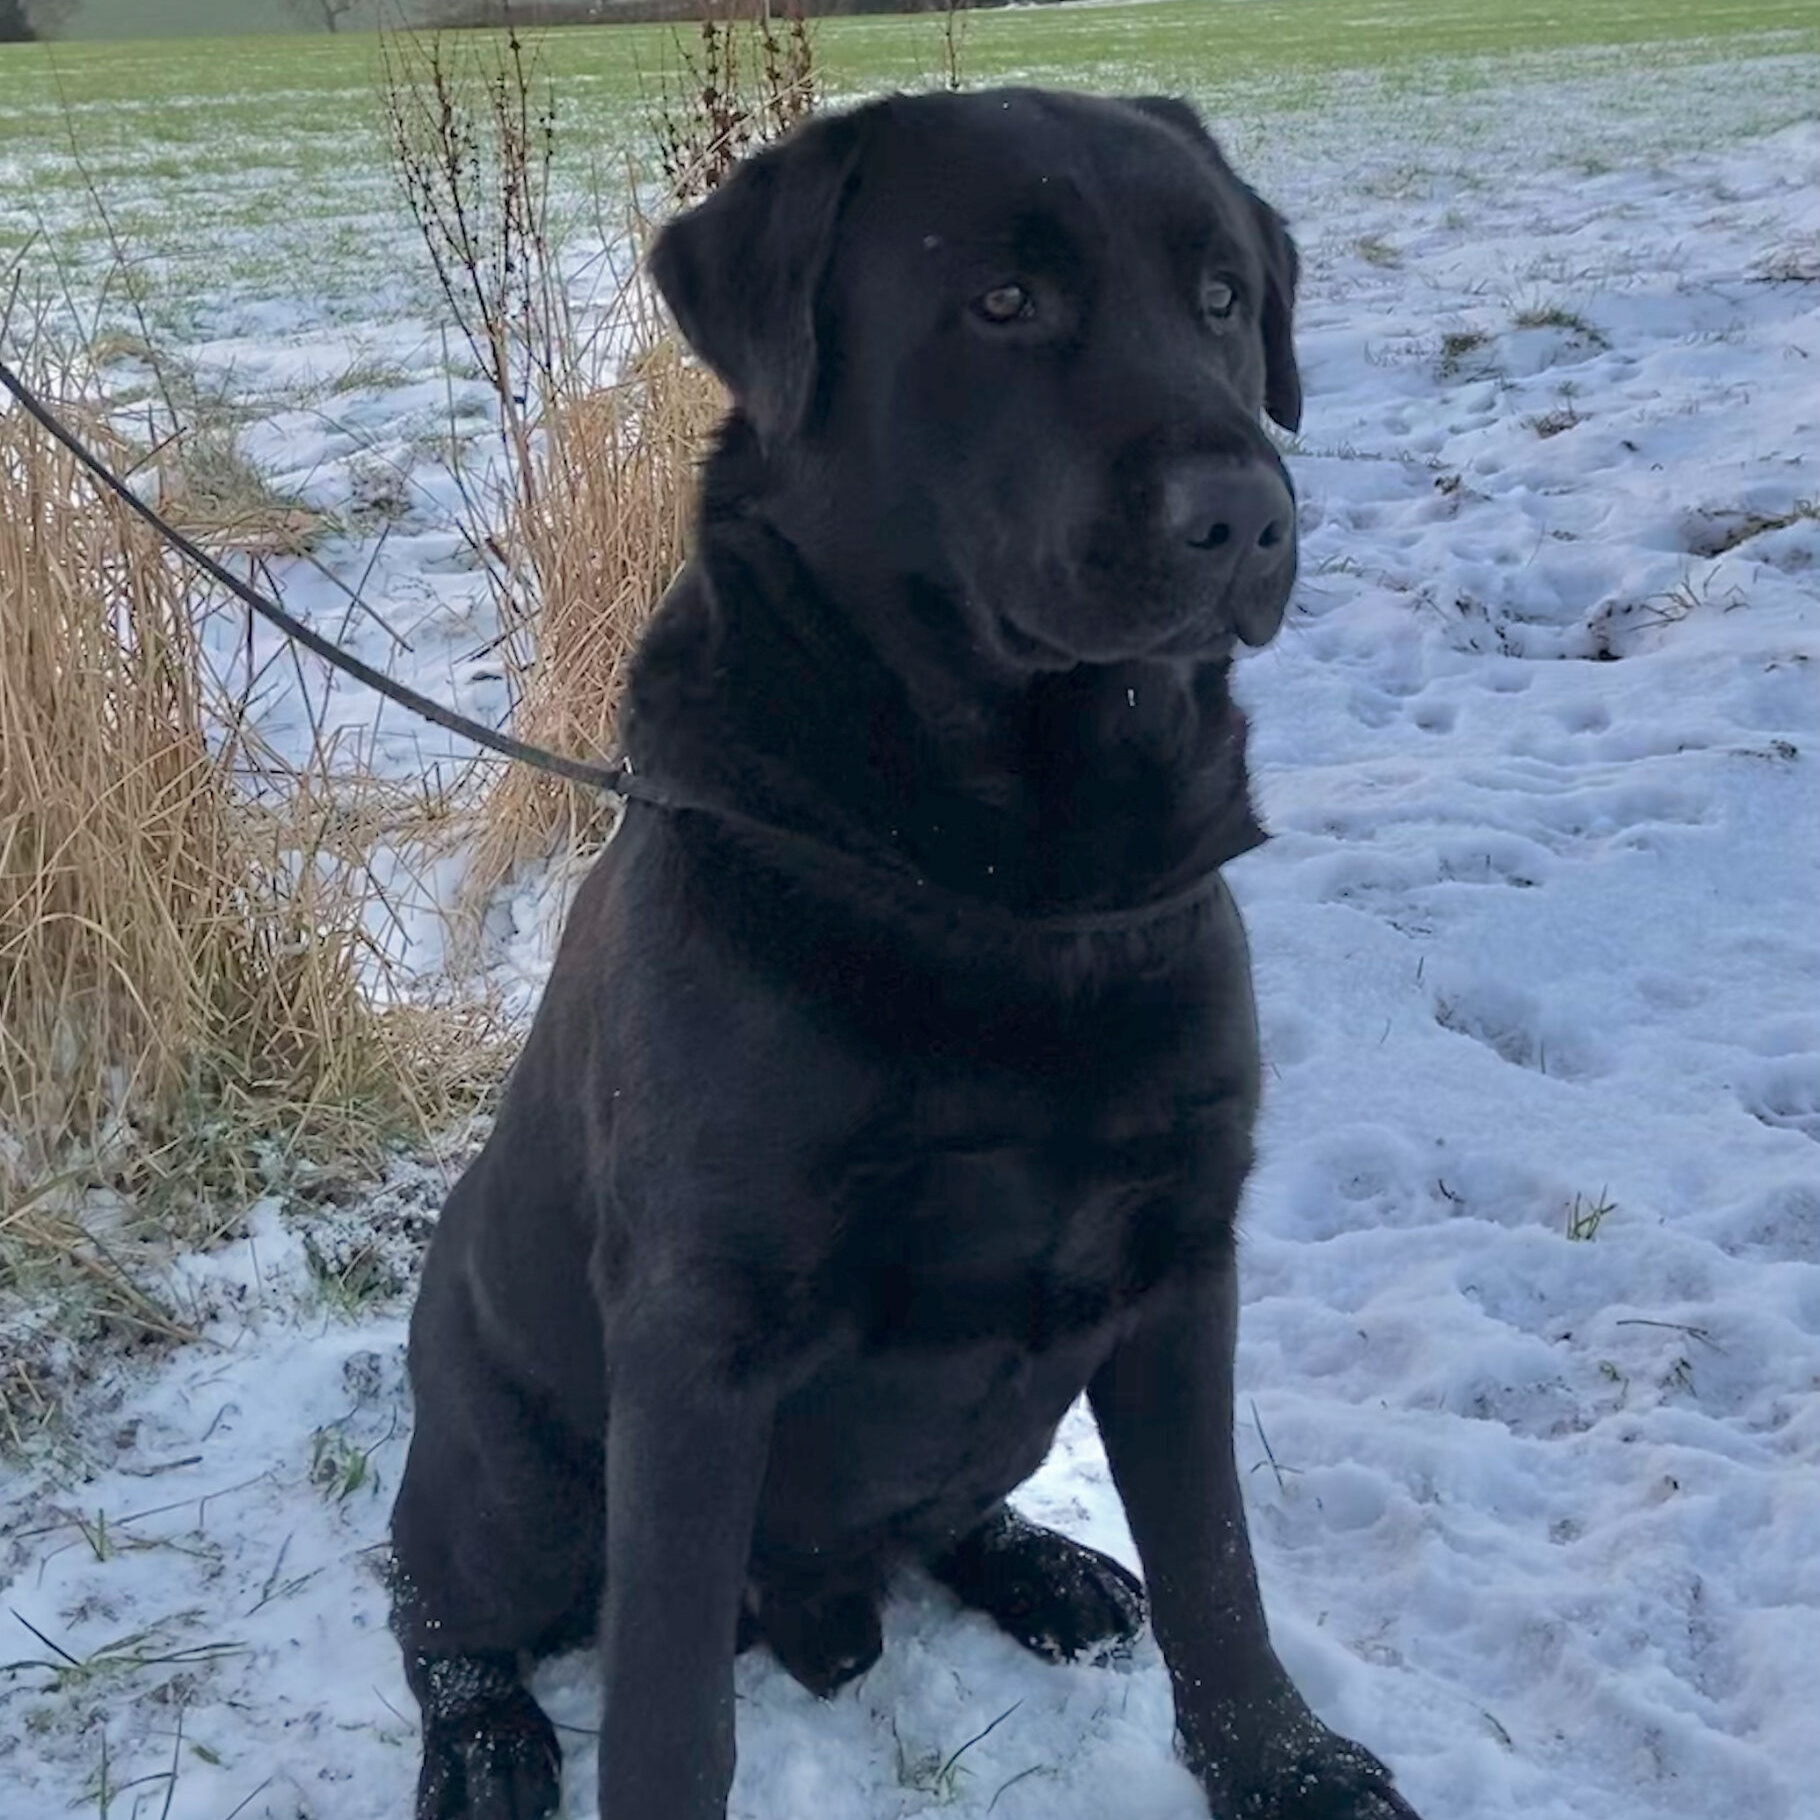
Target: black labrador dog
[(894, 1084)]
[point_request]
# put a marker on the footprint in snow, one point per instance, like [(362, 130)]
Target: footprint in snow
[(1385, 883), (1513, 1025), (1784, 1092)]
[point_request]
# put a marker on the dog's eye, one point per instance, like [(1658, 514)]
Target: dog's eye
[(1005, 303), (1218, 298)]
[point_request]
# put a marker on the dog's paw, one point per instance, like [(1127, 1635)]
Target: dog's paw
[(1306, 1773), (825, 1641), (1056, 1597), (489, 1753)]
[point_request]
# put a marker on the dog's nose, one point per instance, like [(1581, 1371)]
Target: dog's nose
[(1239, 513)]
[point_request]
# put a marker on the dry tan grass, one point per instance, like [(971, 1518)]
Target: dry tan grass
[(602, 537), (186, 436), (114, 819), (185, 971), (208, 488)]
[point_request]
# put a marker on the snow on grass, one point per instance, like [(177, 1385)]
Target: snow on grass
[(1530, 1363), (250, 192)]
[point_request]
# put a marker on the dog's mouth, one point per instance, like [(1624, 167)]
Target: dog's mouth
[(1091, 622), (1029, 651)]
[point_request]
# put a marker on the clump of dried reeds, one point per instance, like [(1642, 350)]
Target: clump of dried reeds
[(602, 428), (747, 83), (601, 539), (185, 970), (471, 125)]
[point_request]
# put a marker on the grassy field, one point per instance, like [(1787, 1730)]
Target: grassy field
[(239, 171), (1175, 42)]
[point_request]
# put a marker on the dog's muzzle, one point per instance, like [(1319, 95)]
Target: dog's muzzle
[(1239, 518)]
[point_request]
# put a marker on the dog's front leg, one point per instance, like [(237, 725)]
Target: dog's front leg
[(1164, 1407), (685, 1463)]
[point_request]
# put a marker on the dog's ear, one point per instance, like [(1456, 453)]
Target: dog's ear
[(1282, 273), (740, 271), (1282, 264)]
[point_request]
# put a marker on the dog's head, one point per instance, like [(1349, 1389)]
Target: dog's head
[(1005, 354)]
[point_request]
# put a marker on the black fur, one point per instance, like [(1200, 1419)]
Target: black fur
[(899, 1088)]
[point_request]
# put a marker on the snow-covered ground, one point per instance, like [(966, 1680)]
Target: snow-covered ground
[(1530, 1365)]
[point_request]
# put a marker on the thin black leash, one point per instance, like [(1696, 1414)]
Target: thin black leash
[(616, 780)]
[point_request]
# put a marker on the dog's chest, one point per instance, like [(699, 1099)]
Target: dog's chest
[(995, 1231), (979, 1208)]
